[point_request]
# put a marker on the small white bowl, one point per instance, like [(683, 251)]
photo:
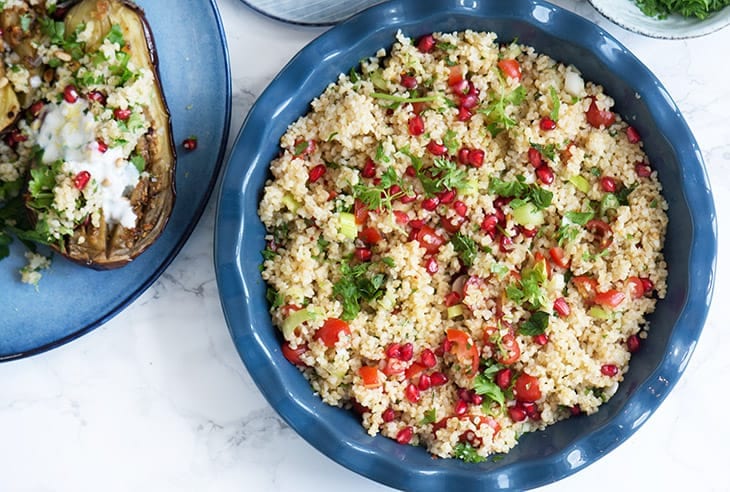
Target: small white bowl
[(626, 14)]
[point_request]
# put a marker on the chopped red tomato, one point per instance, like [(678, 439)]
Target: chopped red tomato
[(586, 286), (360, 211), (452, 224), (394, 366), (602, 230), (636, 287), (599, 117), (610, 299), (414, 370), (510, 68), (558, 256), (331, 330), (369, 375), (455, 76), (463, 347), (527, 388), (509, 350), (429, 239), (370, 235), (293, 355)]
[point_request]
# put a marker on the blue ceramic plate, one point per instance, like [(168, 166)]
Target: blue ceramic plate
[(72, 300), (540, 457)]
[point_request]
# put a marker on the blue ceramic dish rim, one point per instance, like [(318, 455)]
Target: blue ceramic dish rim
[(257, 356), (183, 237)]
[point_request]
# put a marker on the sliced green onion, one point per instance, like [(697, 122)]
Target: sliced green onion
[(296, 318), (528, 215), (598, 312), (454, 311), (378, 81), (580, 183), (291, 203)]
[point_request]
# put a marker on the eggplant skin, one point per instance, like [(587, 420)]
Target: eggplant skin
[(113, 246)]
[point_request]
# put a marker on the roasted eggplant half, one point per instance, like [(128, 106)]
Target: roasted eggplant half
[(96, 130)]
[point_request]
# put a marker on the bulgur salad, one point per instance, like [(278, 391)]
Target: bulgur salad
[(85, 160), (463, 241)]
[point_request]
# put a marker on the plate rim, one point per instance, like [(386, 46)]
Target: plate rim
[(185, 235), (654, 389)]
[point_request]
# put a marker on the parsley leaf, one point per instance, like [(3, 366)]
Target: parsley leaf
[(465, 247), (429, 417), (450, 141), (484, 385), (521, 190), (466, 452), (376, 197), (547, 151), (443, 175), (496, 110), (536, 324), (116, 35), (579, 218), (355, 285), (275, 299)]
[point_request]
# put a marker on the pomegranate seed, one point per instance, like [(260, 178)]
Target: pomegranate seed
[(609, 370), (633, 343), (446, 196), (476, 399), (70, 94), (460, 208), (424, 382), (533, 155), (415, 126), (505, 243), (648, 285), (642, 169), (408, 81), (547, 124), (388, 415), (489, 223), (412, 393), (464, 114), (452, 299), (503, 377), (393, 350), (575, 410), (122, 114), (545, 174), (469, 101), (460, 87), (416, 223), (317, 172), (430, 204), (406, 351), (432, 266), (101, 146), (528, 233), (476, 157), (633, 135), (363, 254), (368, 170), (394, 189), (463, 155), (436, 148), (36, 108), (81, 180), (428, 359), (438, 379), (608, 184), (540, 339), (404, 435), (561, 307), (359, 407), (411, 171), (190, 143), (460, 408), (426, 43), (400, 217), (463, 394), (531, 410), (517, 414), (96, 96)]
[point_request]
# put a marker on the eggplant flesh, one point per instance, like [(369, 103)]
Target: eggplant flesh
[(110, 245)]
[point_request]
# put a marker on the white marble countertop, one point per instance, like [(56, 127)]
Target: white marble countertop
[(157, 399)]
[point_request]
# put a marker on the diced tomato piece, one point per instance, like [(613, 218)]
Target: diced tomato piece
[(636, 287), (509, 350), (394, 366), (527, 388), (599, 117), (558, 256), (429, 239), (602, 230), (452, 299), (360, 211), (414, 370), (293, 354), (586, 286), (463, 347), (456, 75), (369, 235), (510, 68), (610, 299), (331, 330), (369, 375)]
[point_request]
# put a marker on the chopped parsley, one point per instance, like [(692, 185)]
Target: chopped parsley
[(536, 324), (465, 247), (579, 218), (496, 110), (377, 197), (355, 285), (522, 191), (529, 288), (466, 452), (484, 385), (450, 141), (380, 154), (547, 151), (275, 299), (300, 147), (429, 417)]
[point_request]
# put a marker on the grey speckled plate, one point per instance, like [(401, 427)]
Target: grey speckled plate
[(626, 14), (310, 12)]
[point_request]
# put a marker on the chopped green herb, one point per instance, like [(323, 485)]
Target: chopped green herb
[(429, 417), (535, 325), (521, 190), (450, 141), (465, 247), (555, 98), (499, 269), (388, 261), (402, 99), (496, 110), (377, 197), (301, 147), (466, 452), (355, 285), (275, 299), (595, 171), (547, 151), (354, 76), (116, 35), (579, 218), (25, 21), (380, 154)]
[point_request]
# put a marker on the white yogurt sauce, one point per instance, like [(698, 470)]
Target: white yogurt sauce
[(68, 133)]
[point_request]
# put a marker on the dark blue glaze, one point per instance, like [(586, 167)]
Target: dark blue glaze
[(563, 448), (72, 300)]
